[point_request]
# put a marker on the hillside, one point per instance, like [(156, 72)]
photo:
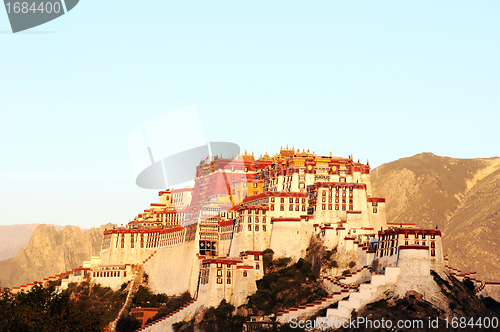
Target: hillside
[(13, 237), (460, 196), (50, 252)]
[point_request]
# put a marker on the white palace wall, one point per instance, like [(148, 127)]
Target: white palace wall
[(173, 270)]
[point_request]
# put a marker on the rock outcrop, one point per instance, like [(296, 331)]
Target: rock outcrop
[(50, 252), (13, 238)]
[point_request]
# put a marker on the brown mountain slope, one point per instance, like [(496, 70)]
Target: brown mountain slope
[(50, 252), (13, 237), (460, 196)]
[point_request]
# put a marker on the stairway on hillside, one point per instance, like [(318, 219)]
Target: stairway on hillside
[(366, 293), (166, 323), (133, 287)]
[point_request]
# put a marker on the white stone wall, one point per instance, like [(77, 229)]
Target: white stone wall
[(173, 269), (414, 262), (115, 279), (285, 239)]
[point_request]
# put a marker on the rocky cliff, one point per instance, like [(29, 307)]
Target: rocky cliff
[(13, 237), (460, 196), (50, 252)]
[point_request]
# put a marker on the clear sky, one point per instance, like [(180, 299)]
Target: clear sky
[(381, 80)]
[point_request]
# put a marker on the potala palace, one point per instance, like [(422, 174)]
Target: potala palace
[(209, 239)]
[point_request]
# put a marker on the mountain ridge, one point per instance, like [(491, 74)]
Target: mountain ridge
[(50, 252), (459, 196)]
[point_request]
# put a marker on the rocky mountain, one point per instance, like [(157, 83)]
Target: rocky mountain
[(460, 196), (13, 237), (50, 252)]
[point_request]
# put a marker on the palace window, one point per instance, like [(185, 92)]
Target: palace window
[(433, 236), (375, 210), (406, 235), (246, 169), (282, 207), (263, 228), (423, 236), (336, 200), (219, 273), (290, 207), (303, 201), (297, 207), (228, 280), (244, 273), (282, 199), (263, 220), (323, 206), (343, 207), (329, 206), (433, 244), (272, 207), (219, 280), (290, 200), (255, 185), (249, 227), (336, 207), (406, 243), (272, 199), (256, 228), (257, 266), (303, 207), (433, 252), (229, 274)]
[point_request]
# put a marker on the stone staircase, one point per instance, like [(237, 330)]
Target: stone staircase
[(166, 323), (134, 285), (27, 287), (311, 308), (365, 294), (339, 289)]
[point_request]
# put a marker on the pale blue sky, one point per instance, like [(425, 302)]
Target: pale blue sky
[(379, 79)]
